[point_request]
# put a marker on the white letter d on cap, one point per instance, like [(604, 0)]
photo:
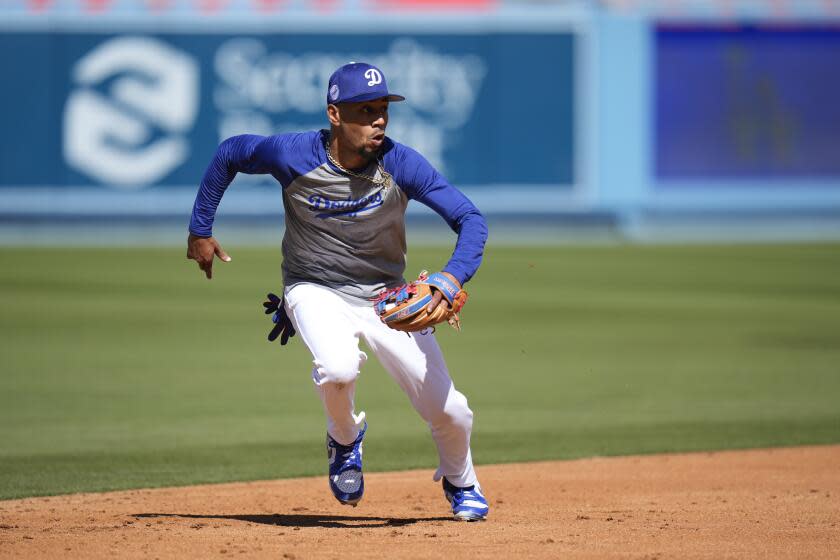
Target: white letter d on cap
[(374, 77)]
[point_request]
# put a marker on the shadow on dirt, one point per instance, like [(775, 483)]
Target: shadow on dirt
[(307, 520)]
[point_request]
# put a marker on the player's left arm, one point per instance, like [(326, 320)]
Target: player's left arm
[(422, 182)]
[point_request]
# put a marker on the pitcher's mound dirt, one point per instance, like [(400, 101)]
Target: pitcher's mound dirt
[(780, 503)]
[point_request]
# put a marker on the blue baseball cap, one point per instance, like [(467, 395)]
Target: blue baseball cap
[(358, 81)]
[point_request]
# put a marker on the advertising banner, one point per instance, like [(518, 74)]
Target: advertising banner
[(747, 102), (134, 111)]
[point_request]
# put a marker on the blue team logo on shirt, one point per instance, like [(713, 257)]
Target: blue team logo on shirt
[(348, 207)]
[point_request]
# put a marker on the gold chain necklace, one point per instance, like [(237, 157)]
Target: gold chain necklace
[(384, 176)]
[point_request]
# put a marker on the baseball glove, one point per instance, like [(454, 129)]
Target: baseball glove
[(404, 308)]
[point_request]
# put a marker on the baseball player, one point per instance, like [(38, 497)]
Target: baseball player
[(345, 191)]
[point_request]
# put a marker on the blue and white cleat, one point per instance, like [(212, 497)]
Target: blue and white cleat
[(468, 504), (346, 480)]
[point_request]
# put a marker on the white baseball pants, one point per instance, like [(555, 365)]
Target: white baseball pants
[(331, 327)]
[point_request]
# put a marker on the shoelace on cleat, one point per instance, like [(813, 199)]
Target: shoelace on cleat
[(461, 495), (346, 453)]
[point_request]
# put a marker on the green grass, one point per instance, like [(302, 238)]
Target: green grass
[(125, 368)]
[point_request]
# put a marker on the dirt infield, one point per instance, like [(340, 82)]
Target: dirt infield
[(779, 503)]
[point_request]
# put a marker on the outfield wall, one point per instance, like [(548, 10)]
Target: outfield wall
[(721, 121), (638, 120)]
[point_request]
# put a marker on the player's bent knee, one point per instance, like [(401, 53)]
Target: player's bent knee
[(342, 374), (455, 413), (461, 413), (339, 370)]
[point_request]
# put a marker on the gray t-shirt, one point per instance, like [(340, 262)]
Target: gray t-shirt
[(343, 231)]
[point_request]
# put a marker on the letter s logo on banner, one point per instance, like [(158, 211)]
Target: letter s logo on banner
[(131, 135)]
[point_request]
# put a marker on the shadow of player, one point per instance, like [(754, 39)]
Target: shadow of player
[(307, 520)]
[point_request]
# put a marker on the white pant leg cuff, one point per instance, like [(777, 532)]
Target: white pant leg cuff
[(461, 481)]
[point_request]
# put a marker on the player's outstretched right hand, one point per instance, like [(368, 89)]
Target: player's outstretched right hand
[(202, 250)]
